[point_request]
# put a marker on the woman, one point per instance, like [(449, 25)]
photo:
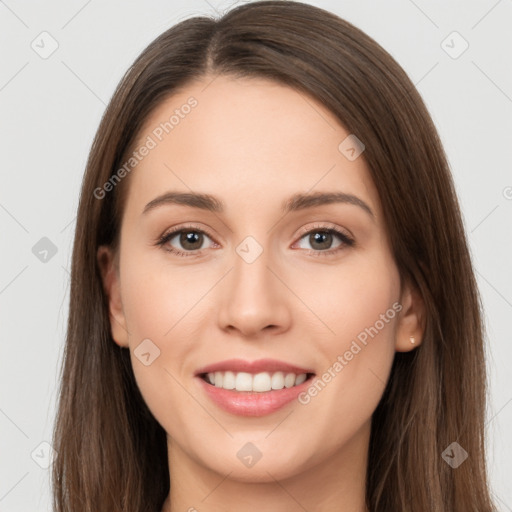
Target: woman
[(272, 303)]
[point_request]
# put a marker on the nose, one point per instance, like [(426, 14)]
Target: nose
[(253, 299)]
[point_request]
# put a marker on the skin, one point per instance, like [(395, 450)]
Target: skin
[(253, 143)]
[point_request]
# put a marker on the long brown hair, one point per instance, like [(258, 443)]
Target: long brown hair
[(111, 452)]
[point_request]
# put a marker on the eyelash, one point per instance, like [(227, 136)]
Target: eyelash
[(346, 241)]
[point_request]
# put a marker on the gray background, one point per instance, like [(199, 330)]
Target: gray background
[(50, 109)]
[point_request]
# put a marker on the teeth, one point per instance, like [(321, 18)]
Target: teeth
[(229, 380), (260, 382), (289, 380), (300, 379), (277, 380), (243, 381)]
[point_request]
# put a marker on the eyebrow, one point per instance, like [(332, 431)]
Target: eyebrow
[(294, 203)]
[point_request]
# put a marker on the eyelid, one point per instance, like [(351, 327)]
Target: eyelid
[(324, 226), (175, 230), (347, 240), (183, 227)]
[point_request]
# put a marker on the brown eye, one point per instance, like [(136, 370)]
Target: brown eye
[(191, 240), (321, 240), (184, 241)]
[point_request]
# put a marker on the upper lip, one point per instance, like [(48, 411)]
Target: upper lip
[(260, 365)]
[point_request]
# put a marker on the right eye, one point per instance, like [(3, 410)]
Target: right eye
[(189, 238)]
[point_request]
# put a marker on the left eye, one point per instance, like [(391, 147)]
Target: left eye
[(322, 239)]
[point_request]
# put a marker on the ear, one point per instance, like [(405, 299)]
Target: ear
[(411, 320), (109, 269)]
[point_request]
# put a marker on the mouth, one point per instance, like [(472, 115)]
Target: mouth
[(260, 376), (261, 382), (253, 388)]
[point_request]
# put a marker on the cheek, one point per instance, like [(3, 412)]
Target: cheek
[(162, 310), (158, 298), (347, 298), (360, 306)]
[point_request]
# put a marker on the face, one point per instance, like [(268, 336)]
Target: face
[(311, 288)]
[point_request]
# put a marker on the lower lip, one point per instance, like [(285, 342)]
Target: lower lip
[(250, 403)]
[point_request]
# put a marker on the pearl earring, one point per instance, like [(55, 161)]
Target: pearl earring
[(412, 339)]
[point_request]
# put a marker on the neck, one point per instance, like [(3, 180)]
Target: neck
[(336, 483)]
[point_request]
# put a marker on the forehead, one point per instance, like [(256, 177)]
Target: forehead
[(231, 136)]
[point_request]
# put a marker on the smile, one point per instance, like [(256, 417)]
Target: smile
[(253, 388), (259, 383)]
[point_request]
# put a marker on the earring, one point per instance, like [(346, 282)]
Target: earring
[(412, 339)]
